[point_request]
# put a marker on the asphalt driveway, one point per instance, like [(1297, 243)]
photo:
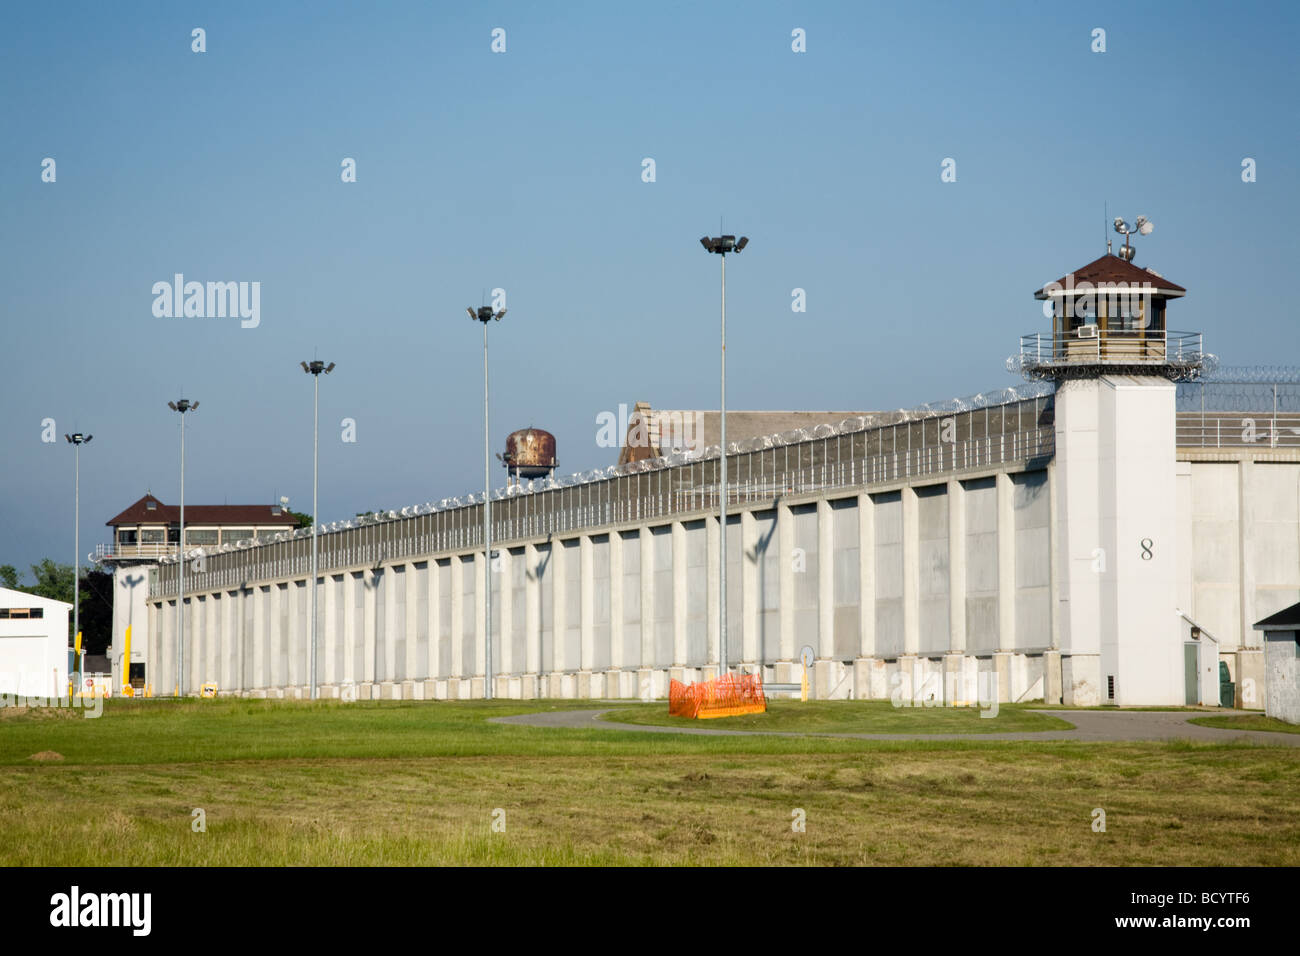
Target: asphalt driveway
[(1089, 725)]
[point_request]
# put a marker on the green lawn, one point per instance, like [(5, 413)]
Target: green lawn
[(403, 783), (853, 717), (1247, 722)]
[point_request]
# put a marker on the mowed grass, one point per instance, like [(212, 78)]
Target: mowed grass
[(1247, 722), (405, 783), (853, 717)]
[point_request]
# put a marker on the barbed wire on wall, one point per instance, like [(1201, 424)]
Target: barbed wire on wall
[(1243, 388)]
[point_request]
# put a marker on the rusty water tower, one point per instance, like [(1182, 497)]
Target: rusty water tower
[(530, 453)]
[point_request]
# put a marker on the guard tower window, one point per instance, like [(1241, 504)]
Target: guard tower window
[(1082, 311)]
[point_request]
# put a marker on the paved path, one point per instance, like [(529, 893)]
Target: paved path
[(1089, 726)]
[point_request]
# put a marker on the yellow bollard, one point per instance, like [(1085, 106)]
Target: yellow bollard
[(126, 664)]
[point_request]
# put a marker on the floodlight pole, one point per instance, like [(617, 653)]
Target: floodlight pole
[(314, 369), (723, 245), (486, 315), (183, 405), (315, 513), (722, 497), (77, 440), (487, 532), (180, 579), (76, 566)]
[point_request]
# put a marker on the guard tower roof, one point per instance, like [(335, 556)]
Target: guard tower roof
[(1111, 269)]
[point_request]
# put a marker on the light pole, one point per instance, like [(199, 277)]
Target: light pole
[(486, 315), (77, 440), (314, 370), (723, 245), (183, 405)]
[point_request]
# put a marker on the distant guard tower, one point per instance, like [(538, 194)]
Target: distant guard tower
[(1115, 364)]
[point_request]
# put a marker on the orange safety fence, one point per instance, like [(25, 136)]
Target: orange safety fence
[(724, 696)]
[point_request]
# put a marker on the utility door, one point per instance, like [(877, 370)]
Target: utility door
[(1191, 669)]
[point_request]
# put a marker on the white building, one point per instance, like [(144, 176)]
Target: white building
[(33, 645)]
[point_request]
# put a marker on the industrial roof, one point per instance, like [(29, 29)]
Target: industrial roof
[(141, 513), (13, 598), (1287, 619)]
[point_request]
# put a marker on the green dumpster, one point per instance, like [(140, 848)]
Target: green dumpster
[(1227, 689)]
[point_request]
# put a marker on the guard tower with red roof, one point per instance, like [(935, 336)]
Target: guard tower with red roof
[(148, 530), (1115, 363), (1109, 317)]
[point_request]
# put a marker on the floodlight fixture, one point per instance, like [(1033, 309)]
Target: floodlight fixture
[(1141, 226)]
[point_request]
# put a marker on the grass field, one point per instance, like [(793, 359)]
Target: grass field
[(417, 783), (1247, 722), (854, 717)]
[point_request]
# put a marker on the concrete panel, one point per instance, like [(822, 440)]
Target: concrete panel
[(846, 578), (735, 589), (471, 611), (933, 568), (572, 649), (805, 564), (981, 546), (697, 597), (418, 625), (518, 611), (395, 665), (888, 513), (767, 561), (283, 635), (661, 619), (1033, 602), (600, 601), (544, 573), (631, 584), (442, 633), (495, 575)]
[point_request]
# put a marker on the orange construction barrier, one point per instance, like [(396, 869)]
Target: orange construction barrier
[(724, 696)]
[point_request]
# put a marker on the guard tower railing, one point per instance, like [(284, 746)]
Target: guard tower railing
[(1045, 353)]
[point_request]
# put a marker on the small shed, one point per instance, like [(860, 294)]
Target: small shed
[(1282, 664), (33, 645)]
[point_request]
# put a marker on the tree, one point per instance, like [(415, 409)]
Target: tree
[(304, 520), (96, 610), (53, 581)]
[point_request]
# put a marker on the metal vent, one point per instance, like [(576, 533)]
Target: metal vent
[(1110, 686)]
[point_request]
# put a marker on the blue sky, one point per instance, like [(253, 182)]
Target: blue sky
[(522, 170)]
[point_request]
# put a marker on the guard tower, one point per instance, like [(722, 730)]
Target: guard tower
[(1115, 364), (1108, 317)]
